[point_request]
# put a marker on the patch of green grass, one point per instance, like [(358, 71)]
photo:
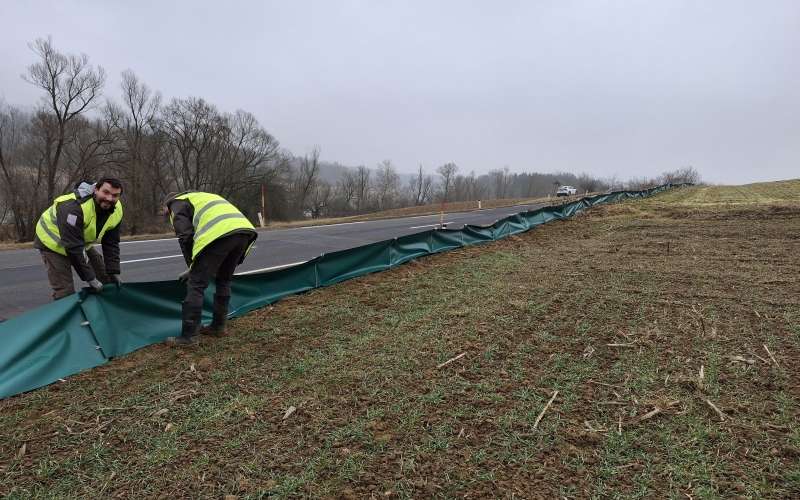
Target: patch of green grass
[(374, 413)]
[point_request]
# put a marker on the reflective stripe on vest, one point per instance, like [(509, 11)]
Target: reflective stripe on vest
[(214, 217), (47, 228)]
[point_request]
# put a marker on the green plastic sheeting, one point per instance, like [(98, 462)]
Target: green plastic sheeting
[(340, 266), (82, 331), (44, 345)]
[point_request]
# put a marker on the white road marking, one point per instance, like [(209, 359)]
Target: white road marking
[(432, 225), (151, 258), (327, 225), (338, 224), (20, 267), (272, 268), (388, 219), (146, 241)]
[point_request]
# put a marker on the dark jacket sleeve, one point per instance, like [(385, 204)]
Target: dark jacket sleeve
[(182, 214), (69, 218), (110, 244)]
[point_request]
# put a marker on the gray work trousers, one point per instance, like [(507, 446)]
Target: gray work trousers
[(59, 271)]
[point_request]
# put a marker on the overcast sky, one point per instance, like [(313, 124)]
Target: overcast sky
[(625, 88)]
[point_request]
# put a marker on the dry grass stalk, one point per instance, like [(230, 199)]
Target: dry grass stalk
[(714, 407), (702, 320), (442, 365), (590, 428), (771, 356), (742, 359), (655, 411), (701, 377), (541, 415), (603, 383)]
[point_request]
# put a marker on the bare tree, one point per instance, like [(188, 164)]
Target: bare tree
[(16, 185), (421, 187), (588, 183), (248, 154), (387, 184), (448, 172), (459, 189), (346, 189), (4, 208), (320, 199), (72, 86), (638, 183), (192, 127), (362, 188), (613, 183), (680, 176), (92, 148), (500, 181), (139, 158), (306, 179)]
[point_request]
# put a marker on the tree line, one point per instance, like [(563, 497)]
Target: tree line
[(156, 146)]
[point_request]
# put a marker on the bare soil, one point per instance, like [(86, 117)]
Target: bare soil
[(670, 329)]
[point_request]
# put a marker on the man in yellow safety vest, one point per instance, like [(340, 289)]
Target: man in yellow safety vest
[(214, 238), (67, 231)]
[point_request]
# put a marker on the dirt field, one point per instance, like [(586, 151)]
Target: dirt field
[(670, 328)]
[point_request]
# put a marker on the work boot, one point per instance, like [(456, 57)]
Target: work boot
[(182, 341), (189, 326), (217, 326)]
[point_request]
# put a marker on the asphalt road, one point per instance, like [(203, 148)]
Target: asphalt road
[(23, 281)]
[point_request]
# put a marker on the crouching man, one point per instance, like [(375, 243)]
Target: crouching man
[(67, 231), (214, 238)]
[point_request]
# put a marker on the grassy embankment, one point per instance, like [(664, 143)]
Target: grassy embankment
[(670, 328)]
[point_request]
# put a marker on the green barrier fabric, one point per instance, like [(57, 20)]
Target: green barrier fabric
[(410, 247), (136, 315), (44, 345), (253, 291), (345, 264), (445, 239), (83, 331), (472, 235)]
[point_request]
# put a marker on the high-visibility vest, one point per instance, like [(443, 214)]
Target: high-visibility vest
[(47, 227), (214, 218)]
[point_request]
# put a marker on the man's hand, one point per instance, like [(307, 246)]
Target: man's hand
[(184, 276), (115, 279), (95, 285)]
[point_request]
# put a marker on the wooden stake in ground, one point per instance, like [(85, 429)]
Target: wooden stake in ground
[(440, 366), (539, 418)]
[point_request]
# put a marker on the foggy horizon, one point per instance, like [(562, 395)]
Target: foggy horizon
[(625, 89)]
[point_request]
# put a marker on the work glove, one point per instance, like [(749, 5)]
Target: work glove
[(183, 276), (95, 285), (115, 279)]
